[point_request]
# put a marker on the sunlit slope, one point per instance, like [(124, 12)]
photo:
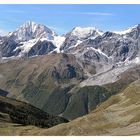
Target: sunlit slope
[(119, 115)]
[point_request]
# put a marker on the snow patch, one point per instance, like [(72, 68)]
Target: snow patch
[(137, 60), (58, 41), (25, 48), (125, 31), (97, 50), (84, 32), (31, 30)]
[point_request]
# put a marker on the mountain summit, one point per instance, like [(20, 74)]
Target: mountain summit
[(88, 44), (28, 40), (31, 30), (86, 32), (78, 34)]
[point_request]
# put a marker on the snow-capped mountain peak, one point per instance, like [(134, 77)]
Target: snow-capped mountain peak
[(86, 31), (31, 30), (78, 35)]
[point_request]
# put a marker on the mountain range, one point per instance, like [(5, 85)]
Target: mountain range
[(71, 75)]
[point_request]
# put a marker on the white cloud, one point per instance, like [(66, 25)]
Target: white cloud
[(97, 13), (87, 13)]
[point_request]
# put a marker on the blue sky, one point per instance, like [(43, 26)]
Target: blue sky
[(63, 18)]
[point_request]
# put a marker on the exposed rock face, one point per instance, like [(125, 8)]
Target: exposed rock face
[(3, 93), (41, 48), (102, 50), (30, 39), (31, 30), (107, 50), (77, 35), (7, 46)]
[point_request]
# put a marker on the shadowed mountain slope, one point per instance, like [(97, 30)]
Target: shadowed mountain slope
[(12, 111)]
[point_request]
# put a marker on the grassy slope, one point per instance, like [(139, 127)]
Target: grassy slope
[(119, 115)]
